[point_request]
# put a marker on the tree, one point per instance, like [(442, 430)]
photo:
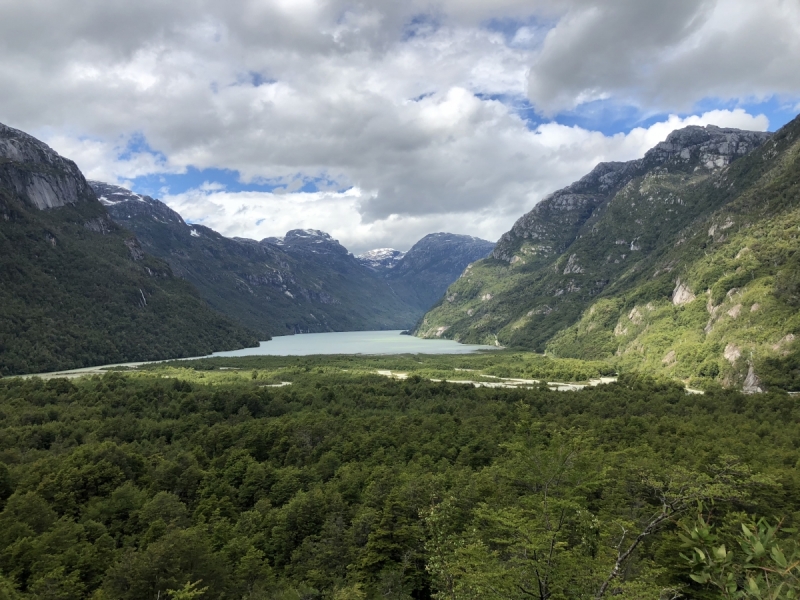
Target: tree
[(537, 539), (765, 567)]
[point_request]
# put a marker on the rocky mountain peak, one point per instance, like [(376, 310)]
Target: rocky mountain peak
[(380, 258), (711, 146), (123, 204), (37, 173), (553, 223), (308, 240), (447, 251), (307, 234), (18, 146)]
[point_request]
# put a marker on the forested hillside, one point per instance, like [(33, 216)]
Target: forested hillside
[(348, 485), (682, 263), (77, 290)]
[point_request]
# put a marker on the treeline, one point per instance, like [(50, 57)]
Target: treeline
[(342, 485)]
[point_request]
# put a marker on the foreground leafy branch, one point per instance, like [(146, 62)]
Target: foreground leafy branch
[(766, 568)]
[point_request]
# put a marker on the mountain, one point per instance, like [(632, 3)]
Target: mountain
[(421, 275), (303, 282), (683, 262), (380, 258), (78, 290)]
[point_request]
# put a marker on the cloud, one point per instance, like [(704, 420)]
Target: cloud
[(257, 215), (110, 162), (528, 165), (420, 106), (667, 55)]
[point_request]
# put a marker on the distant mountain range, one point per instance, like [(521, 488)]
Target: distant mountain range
[(302, 282), (92, 273), (421, 275), (684, 262)]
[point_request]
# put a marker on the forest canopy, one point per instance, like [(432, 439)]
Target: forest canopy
[(293, 478)]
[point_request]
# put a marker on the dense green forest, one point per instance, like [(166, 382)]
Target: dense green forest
[(77, 291), (289, 478)]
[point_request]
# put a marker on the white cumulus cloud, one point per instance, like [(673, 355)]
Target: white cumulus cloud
[(410, 116)]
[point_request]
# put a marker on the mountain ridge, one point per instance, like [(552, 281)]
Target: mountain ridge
[(596, 269), (77, 290), (303, 281), (299, 283)]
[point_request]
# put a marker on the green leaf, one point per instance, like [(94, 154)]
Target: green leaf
[(752, 587), (758, 549), (701, 554), (778, 557)]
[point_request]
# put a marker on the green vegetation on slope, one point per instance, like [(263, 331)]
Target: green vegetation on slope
[(742, 265), (77, 291), (351, 485), (679, 270)]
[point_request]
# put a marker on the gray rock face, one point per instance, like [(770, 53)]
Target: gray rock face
[(381, 258), (752, 383), (681, 294), (308, 241), (551, 226), (712, 147), (38, 174), (124, 204)]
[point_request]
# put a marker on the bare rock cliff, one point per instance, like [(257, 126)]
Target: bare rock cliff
[(551, 226), (37, 173)]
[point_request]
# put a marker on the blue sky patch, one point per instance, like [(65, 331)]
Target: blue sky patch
[(609, 117), (137, 144), (155, 185), (509, 27), (158, 185)]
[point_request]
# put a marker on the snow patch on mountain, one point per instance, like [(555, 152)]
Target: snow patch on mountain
[(380, 258)]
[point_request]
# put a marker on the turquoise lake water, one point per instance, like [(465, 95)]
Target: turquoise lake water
[(354, 342)]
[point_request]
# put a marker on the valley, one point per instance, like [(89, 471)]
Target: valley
[(302, 282), (334, 300), (95, 274), (357, 465)]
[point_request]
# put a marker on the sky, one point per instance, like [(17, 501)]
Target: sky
[(381, 121)]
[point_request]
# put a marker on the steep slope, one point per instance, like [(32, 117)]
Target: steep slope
[(76, 289), (721, 303), (658, 263), (303, 282), (356, 298), (422, 275)]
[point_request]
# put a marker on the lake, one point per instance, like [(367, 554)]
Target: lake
[(354, 342)]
